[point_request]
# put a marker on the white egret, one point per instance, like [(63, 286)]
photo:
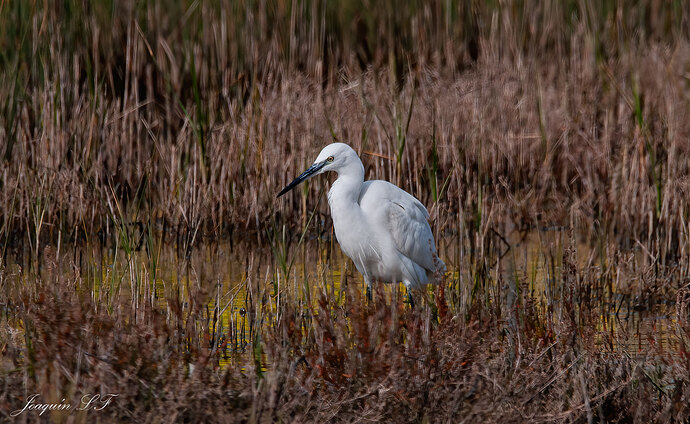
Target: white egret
[(382, 228)]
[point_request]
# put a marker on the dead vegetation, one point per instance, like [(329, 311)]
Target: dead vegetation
[(136, 125)]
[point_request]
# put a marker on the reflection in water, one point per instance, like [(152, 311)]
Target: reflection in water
[(621, 305), (622, 320), (623, 313)]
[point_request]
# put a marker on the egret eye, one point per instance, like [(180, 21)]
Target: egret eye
[(329, 159)]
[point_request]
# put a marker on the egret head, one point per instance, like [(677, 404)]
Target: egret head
[(333, 157)]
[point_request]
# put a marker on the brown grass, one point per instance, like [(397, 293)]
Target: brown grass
[(572, 126), (134, 125), (449, 359)]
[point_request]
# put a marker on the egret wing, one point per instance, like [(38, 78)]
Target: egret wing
[(405, 218)]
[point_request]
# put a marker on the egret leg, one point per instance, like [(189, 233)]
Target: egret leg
[(410, 299), (369, 293)]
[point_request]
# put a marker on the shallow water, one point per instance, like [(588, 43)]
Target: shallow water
[(624, 318), (518, 267)]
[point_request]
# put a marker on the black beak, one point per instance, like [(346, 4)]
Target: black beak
[(305, 176)]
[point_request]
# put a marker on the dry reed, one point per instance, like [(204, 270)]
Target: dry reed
[(131, 125)]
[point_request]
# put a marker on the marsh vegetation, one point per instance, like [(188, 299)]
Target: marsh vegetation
[(143, 252)]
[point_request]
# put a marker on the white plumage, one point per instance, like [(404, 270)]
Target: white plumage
[(382, 228)]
